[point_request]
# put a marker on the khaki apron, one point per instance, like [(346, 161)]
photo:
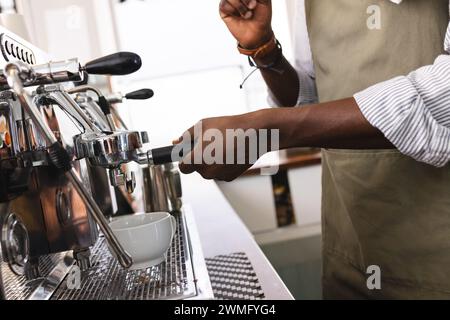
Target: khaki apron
[(380, 207)]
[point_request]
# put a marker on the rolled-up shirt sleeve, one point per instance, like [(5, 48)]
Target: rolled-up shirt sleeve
[(307, 89), (413, 111)]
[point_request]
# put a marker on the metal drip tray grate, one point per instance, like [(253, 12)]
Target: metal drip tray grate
[(18, 287), (107, 280)]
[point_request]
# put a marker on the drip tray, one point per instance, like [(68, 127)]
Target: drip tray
[(176, 278)]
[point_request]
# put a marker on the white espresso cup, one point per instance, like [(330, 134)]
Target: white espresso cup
[(145, 236)]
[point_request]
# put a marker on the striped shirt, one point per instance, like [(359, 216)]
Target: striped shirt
[(412, 111)]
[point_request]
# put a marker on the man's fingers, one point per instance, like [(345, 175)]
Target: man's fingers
[(188, 165), (227, 10), (191, 132), (186, 169), (241, 7), (250, 4), (188, 137), (235, 8)]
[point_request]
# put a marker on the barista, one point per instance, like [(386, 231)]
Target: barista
[(381, 207)]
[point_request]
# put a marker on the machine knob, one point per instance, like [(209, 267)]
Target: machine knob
[(116, 64), (142, 94)]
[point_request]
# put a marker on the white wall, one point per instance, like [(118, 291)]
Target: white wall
[(71, 28), (180, 36)]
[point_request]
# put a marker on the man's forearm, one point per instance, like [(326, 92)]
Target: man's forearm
[(338, 124), (282, 82)]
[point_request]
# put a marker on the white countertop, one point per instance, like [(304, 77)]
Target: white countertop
[(222, 232)]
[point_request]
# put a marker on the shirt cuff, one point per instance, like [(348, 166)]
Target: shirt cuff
[(307, 92), (396, 108)]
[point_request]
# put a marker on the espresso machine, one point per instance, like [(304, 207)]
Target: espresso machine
[(62, 158)]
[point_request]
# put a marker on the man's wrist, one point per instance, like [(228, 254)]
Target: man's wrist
[(285, 120), (268, 119), (267, 50), (260, 42), (269, 58)]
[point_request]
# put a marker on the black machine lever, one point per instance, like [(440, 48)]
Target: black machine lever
[(116, 64), (142, 94)]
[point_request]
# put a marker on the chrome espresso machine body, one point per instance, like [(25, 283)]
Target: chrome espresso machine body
[(61, 164)]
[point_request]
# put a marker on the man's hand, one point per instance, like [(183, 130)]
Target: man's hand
[(249, 21), (224, 147)]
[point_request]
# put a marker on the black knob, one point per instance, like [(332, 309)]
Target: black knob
[(142, 94), (117, 64)]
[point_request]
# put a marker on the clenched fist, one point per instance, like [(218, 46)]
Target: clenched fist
[(249, 21)]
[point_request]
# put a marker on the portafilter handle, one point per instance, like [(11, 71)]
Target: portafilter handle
[(163, 155), (169, 154), (62, 161)]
